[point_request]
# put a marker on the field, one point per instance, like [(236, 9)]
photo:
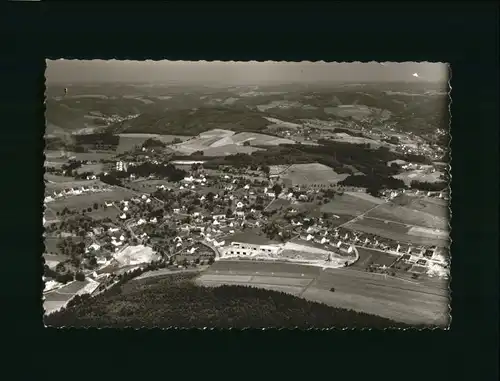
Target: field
[(94, 168), (177, 300), (308, 174), (410, 302), (419, 175), (229, 149), (52, 260), (148, 185), (428, 233), (404, 215), (91, 156), (56, 178), (277, 204), (51, 244), (343, 137), (54, 164), (369, 256), (434, 206), (104, 212), (223, 142), (358, 112), (56, 299), (394, 231), (87, 200), (348, 204), (258, 139)]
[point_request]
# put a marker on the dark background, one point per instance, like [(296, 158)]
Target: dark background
[(464, 34)]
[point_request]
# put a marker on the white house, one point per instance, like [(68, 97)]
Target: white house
[(123, 216), (192, 250), (94, 247), (239, 204), (153, 220)]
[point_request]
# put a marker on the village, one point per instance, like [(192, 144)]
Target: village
[(153, 222)]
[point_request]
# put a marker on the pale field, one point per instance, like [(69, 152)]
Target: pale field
[(313, 173), (404, 215), (88, 199), (348, 204), (435, 206), (419, 175)]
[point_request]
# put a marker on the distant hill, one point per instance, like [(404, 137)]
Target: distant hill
[(420, 108), (194, 122)]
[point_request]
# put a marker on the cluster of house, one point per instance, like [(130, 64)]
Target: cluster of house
[(190, 182), (76, 191), (389, 194), (342, 239), (125, 205)]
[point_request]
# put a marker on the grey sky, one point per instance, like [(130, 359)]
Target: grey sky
[(72, 71)]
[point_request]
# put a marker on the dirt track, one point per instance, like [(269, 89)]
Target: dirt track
[(405, 301)]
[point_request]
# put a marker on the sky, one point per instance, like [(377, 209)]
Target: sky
[(234, 73)]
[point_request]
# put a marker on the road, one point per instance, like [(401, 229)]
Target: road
[(393, 298)]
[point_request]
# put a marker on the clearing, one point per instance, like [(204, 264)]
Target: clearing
[(404, 215), (349, 204), (305, 175), (434, 206), (419, 175), (94, 168)]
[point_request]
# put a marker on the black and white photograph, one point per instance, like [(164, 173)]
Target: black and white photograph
[(195, 194)]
